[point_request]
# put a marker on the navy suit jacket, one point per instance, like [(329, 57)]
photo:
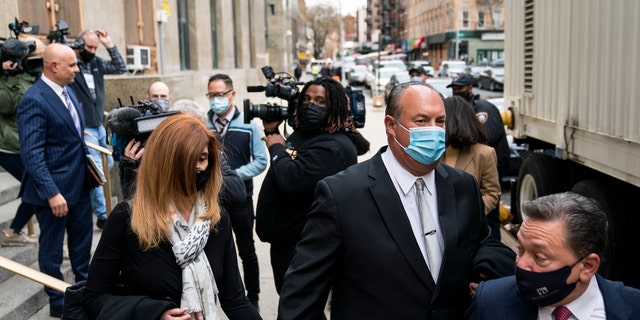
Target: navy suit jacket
[(498, 299), (52, 151), (358, 242)]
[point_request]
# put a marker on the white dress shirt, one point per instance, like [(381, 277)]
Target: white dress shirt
[(588, 306), (404, 182)]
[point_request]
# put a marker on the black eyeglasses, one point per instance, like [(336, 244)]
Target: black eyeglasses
[(212, 95)]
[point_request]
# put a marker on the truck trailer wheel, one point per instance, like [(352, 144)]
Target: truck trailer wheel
[(605, 195), (539, 175)]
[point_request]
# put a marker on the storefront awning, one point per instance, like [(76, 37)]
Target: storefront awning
[(418, 43)]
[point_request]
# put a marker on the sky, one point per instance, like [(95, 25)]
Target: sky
[(347, 6)]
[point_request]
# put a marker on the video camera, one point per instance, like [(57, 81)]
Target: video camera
[(60, 33), (281, 86), (137, 122), (15, 50), (285, 87)]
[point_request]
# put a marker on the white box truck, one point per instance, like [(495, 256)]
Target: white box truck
[(573, 86)]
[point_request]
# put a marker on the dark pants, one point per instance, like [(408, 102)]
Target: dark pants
[(79, 227), (493, 220), (13, 164), (281, 255), (242, 219)]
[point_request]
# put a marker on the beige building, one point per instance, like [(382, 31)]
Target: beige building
[(437, 30), (180, 42)]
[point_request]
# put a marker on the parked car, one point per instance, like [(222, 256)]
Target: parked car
[(453, 68), (431, 72), (441, 86), (396, 78), (492, 79), (357, 75), (390, 64), (378, 79), (474, 72)]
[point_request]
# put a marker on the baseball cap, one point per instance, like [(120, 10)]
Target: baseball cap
[(463, 80), (419, 69)]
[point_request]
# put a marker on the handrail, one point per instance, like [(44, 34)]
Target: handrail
[(31, 274), (105, 168)]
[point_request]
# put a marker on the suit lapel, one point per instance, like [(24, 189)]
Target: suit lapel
[(58, 108), (396, 220), (447, 217)]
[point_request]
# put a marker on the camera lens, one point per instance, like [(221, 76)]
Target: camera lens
[(266, 112)]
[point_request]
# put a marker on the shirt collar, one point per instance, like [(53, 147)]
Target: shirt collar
[(56, 88), (404, 178), (587, 304)]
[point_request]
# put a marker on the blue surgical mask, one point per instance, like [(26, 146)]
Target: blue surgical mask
[(416, 79), (544, 288), (219, 105), (426, 144)]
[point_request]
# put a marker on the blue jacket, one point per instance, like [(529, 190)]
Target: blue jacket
[(243, 147), (498, 299), (52, 151)]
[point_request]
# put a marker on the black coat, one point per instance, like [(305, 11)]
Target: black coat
[(288, 188)]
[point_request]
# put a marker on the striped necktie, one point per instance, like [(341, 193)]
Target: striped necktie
[(72, 110)]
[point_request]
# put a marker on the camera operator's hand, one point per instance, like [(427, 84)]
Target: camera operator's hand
[(272, 133), (9, 65), (133, 151), (104, 38), (271, 126)]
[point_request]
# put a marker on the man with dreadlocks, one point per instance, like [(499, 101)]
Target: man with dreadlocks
[(318, 148)]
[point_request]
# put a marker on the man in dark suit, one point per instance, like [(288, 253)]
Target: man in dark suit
[(56, 181), (364, 239), (561, 243)]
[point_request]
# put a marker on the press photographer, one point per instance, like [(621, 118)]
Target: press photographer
[(17, 53), (316, 149), (21, 66), (130, 128)]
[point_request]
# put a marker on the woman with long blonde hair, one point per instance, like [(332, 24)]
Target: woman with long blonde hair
[(168, 253)]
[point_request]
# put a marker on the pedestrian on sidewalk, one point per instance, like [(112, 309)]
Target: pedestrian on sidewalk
[(57, 180), (247, 155), (14, 82), (316, 149), (173, 220)]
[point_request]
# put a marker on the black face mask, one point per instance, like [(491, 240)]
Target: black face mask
[(466, 95), (544, 288), (86, 56), (312, 117), (202, 177)]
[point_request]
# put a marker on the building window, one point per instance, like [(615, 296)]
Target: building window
[(183, 31), (465, 19), (481, 19), (496, 18)]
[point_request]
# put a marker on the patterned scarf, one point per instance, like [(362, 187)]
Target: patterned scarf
[(199, 289)]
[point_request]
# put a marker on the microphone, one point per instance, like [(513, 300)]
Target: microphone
[(121, 121), (256, 88)]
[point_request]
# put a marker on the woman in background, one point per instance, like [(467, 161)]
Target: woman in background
[(467, 149), (168, 253)]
